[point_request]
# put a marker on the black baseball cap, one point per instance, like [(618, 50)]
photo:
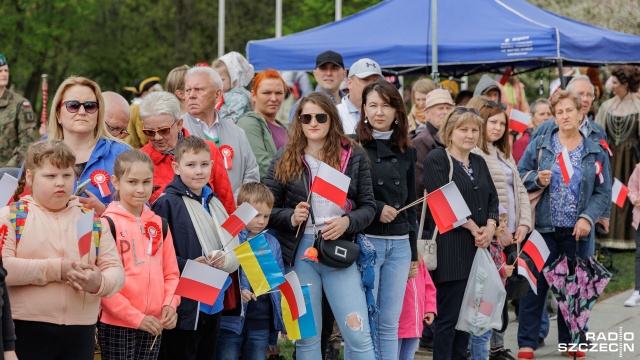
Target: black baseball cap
[(329, 56)]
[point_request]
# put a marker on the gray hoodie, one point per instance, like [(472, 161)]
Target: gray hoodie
[(485, 84)]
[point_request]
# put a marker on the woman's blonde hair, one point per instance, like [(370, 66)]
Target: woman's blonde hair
[(55, 152), (55, 128), (175, 79), (424, 86), (457, 117)]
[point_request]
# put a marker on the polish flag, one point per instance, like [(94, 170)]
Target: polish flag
[(523, 269), (619, 192), (565, 165), (201, 282), (8, 186), (519, 121), (292, 291), (84, 230), (239, 219), (537, 249), (331, 184), (448, 208)]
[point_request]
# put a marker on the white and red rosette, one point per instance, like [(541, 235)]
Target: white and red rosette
[(227, 155), (153, 231), (605, 146), (599, 172), (100, 179)]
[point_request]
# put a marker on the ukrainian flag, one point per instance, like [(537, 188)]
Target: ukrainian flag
[(259, 264), (304, 326)]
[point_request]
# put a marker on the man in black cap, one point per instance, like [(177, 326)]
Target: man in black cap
[(17, 122), (329, 74)]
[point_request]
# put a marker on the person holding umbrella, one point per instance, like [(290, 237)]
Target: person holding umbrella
[(576, 190)]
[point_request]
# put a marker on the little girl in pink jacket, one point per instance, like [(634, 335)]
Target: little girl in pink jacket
[(419, 304)]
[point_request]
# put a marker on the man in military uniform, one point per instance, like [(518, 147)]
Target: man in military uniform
[(17, 122)]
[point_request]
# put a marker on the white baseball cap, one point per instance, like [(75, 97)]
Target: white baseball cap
[(365, 67)]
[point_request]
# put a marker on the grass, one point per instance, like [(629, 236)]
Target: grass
[(623, 271), (286, 350)]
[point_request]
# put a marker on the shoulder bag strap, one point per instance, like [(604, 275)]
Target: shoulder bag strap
[(435, 229)]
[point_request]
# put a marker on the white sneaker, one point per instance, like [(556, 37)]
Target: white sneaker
[(633, 300)]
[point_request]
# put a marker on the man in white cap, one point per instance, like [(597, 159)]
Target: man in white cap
[(362, 73), (439, 103)]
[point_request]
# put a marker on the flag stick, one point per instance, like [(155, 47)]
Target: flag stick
[(156, 337), (273, 291), (418, 201), (299, 225)]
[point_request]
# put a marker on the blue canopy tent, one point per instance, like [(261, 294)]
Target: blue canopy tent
[(473, 36)]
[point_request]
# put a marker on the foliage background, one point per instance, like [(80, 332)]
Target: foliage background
[(117, 41)]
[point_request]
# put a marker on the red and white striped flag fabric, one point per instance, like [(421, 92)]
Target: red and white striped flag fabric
[(619, 192), (448, 207), (564, 161), (331, 184), (239, 219), (537, 249), (518, 121), (292, 291), (84, 230), (523, 269), (201, 282)]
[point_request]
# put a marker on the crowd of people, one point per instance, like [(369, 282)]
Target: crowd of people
[(161, 174)]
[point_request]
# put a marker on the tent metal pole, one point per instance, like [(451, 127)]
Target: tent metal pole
[(563, 81), (338, 10), (221, 16), (278, 18), (434, 40)]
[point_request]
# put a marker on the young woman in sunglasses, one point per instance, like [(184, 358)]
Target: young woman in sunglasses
[(317, 136), (460, 132), (383, 132), (78, 120)]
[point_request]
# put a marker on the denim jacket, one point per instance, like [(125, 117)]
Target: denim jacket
[(594, 196), (236, 323)]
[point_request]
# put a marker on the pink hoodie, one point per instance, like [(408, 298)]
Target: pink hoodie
[(34, 267), (151, 279), (419, 299), (634, 194)]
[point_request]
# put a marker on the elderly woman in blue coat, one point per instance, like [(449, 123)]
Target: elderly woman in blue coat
[(566, 212)]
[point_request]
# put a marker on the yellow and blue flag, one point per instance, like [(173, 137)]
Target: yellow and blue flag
[(304, 326), (259, 264)]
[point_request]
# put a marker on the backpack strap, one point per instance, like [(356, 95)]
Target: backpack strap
[(112, 226), (165, 227), (18, 215)]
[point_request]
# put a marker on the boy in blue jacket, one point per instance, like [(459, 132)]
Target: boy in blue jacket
[(248, 334), (194, 215)]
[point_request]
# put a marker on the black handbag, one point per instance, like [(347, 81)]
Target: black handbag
[(340, 253)]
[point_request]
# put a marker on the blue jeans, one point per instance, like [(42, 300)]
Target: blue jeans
[(392, 271), (407, 348), (343, 289), (479, 345), (559, 242), (252, 344)]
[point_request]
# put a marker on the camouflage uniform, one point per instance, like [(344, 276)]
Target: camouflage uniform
[(17, 128)]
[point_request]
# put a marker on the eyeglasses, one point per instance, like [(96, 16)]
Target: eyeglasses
[(73, 106), (461, 110), (493, 104), (306, 118), (121, 134), (587, 95), (163, 131)]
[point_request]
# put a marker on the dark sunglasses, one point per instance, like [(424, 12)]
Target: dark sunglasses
[(121, 134), (493, 104), (73, 106), (163, 131), (461, 110), (321, 118)]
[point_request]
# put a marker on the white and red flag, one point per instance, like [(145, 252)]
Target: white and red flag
[(523, 269), (519, 121), (619, 192), (201, 282), (537, 249), (331, 184), (84, 230), (239, 219), (292, 291), (448, 207), (564, 161), (8, 186)]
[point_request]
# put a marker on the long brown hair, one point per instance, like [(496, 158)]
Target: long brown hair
[(56, 152), (391, 96), (486, 111), (290, 165)]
